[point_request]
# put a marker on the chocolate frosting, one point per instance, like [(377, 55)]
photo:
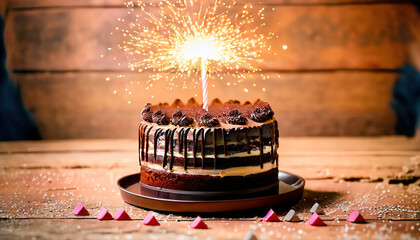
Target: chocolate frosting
[(234, 102), (177, 103), (192, 102), (216, 102)]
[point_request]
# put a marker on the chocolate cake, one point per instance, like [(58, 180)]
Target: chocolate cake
[(229, 151)]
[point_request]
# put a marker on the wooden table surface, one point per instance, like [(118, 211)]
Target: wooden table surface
[(41, 182)]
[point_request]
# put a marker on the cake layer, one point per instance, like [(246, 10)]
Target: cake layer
[(198, 182), (233, 171)]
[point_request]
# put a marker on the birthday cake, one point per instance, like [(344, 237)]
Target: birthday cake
[(227, 152)]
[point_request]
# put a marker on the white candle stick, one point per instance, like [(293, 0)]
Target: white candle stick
[(204, 80)]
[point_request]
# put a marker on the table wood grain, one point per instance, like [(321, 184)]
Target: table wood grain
[(42, 181)]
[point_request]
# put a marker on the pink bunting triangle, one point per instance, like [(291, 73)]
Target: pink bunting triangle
[(198, 223), (271, 217), (104, 215), (356, 217), (80, 210), (315, 220), (121, 215), (150, 220)]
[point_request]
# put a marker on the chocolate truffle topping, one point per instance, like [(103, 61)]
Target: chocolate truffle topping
[(180, 119), (235, 117), (147, 113), (160, 118), (232, 112), (209, 120), (262, 113)]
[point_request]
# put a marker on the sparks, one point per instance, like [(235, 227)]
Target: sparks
[(185, 39)]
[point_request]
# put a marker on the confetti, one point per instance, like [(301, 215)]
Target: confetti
[(198, 223)]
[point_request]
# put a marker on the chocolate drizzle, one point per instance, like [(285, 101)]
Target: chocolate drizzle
[(247, 145), (142, 138), (157, 134), (185, 150), (224, 141), (276, 134), (140, 144), (261, 146), (172, 148), (147, 143), (214, 147), (194, 144), (180, 139), (272, 142), (203, 147), (168, 133), (199, 136)]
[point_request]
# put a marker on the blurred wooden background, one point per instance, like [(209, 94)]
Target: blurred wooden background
[(335, 78)]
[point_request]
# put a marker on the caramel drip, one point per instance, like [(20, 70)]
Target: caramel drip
[(214, 147), (261, 146), (157, 133), (224, 141), (180, 139), (186, 148), (247, 146), (147, 143)]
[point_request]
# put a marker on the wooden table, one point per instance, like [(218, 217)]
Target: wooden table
[(41, 183)]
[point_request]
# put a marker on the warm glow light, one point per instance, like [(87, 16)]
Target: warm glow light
[(183, 39), (199, 48)]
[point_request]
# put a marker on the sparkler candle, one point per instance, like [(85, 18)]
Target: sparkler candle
[(184, 37)]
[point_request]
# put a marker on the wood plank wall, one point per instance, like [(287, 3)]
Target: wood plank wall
[(335, 78)]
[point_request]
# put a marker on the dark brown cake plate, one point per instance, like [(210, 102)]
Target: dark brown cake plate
[(290, 192)]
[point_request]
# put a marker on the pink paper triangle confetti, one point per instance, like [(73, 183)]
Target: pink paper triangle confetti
[(271, 217), (121, 215), (104, 215), (315, 220), (80, 210), (198, 223), (356, 217), (150, 220)]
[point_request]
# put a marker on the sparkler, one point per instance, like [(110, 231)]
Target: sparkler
[(187, 37)]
